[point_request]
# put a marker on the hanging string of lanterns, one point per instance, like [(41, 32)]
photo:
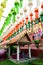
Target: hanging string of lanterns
[(41, 16), (13, 13), (37, 2), (37, 25), (3, 5), (28, 22)]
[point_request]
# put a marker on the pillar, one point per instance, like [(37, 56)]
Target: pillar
[(18, 53), (29, 52), (9, 52)]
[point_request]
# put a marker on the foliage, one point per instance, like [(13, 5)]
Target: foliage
[(13, 49), (41, 56), (37, 62), (37, 43), (31, 62), (6, 62)]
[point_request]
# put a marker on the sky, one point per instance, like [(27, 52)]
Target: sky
[(10, 4)]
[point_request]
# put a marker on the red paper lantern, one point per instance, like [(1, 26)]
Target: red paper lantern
[(42, 6), (36, 13), (31, 18)]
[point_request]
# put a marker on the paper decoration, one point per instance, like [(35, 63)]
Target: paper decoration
[(17, 6), (39, 32), (13, 12), (1, 11), (29, 24), (40, 25), (26, 20), (14, 19), (7, 22), (3, 5), (21, 3), (31, 16), (21, 29), (30, 5), (36, 21), (38, 2), (36, 13), (41, 15), (3, 27), (12, 36)]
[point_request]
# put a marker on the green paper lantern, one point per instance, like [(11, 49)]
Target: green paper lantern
[(8, 19), (32, 24), (17, 6), (21, 29), (1, 31), (4, 24), (18, 32), (29, 24), (41, 16), (14, 34), (9, 15), (7, 22), (41, 13), (14, 19), (36, 21), (3, 27), (14, 11), (37, 43), (21, 3)]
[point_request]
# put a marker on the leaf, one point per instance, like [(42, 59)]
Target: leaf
[(37, 43)]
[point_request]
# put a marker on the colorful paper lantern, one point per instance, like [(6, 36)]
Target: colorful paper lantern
[(3, 4), (41, 15), (1, 11), (31, 16), (17, 6), (26, 20), (21, 3), (36, 13)]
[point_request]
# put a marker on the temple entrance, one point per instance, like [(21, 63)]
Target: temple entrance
[(20, 49), (19, 52)]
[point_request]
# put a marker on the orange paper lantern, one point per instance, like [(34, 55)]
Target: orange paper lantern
[(31, 17), (36, 13), (26, 20)]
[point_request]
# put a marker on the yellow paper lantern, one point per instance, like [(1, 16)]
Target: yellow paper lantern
[(1, 11), (40, 26), (3, 4)]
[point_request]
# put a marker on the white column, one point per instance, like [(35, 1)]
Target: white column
[(18, 52), (29, 52)]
